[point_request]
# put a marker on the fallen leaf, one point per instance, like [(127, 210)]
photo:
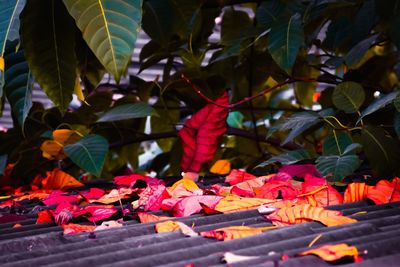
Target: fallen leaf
[(320, 192), (54, 149), (172, 226), (57, 179), (94, 213), (152, 197), (17, 225), (57, 197), (73, 228), (233, 203), (234, 232), (145, 217), (355, 192), (7, 218), (238, 176), (93, 193), (114, 196), (34, 195), (221, 166), (183, 188), (201, 134), (306, 213), (385, 191), (44, 216), (108, 225), (191, 205), (333, 252), (130, 180), (275, 190)]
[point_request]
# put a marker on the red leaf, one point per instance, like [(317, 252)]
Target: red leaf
[(273, 189), (201, 134), (320, 192), (238, 176), (58, 197), (93, 193), (73, 228), (130, 180), (151, 198), (97, 212), (385, 191), (301, 170), (44, 216)]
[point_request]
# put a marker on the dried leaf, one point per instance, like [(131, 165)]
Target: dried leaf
[(172, 226), (145, 217), (73, 228), (234, 232), (238, 176), (57, 179), (221, 166), (306, 213), (355, 192), (201, 134), (233, 203), (385, 191), (333, 252)]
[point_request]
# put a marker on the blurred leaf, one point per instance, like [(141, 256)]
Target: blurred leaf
[(110, 28), (235, 119), (127, 111), (287, 158), (284, 41), (337, 167), (336, 143), (18, 84), (48, 37), (221, 166), (381, 150), (396, 124), (157, 20), (354, 56), (268, 12), (9, 25), (379, 103), (3, 163), (89, 153), (348, 96)]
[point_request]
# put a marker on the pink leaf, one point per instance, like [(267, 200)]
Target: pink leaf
[(300, 170), (238, 176), (191, 205)]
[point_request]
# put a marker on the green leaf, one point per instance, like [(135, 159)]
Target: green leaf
[(3, 163), (18, 83), (287, 158), (9, 21), (336, 143), (381, 150), (110, 28), (48, 37), (348, 96), (235, 119), (297, 124), (379, 103), (337, 167), (268, 12), (352, 149), (89, 153), (285, 39), (127, 111)]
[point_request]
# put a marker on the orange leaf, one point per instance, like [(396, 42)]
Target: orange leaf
[(172, 226), (306, 213), (44, 216), (114, 196), (319, 192), (233, 203), (73, 228), (274, 189), (147, 217), (356, 192), (17, 225), (57, 179), (234, 232), (221, 166), (38, 195), (385, 191), (333, 252), (238, 176), (53, 149)]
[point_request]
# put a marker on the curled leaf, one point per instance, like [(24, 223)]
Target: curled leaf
[(333, 252), (234, 232), (319, 192), (57, 179), (385, 191), (172, 226), (145, 217), (355, 192)]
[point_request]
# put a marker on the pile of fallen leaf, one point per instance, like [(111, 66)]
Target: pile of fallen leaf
[(280, 198)]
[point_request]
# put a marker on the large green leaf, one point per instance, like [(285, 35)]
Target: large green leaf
[(337, 167), (379, 103), (290, 157), (48, 37), (110, 29), (381, 150), (89, 153), (336, 143), (127, 111), (18, 83), (348, 96), (284, 41), (9, 29), (268, 12)]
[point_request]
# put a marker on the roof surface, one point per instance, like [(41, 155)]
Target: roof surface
[(376, 235)]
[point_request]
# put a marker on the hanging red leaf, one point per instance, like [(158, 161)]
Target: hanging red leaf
[(238, 176), (385, 191), (333, 252), (201, 134)]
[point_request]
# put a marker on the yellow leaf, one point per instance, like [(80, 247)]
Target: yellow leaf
[(171, 226), (234, 232), (333, 252), (2, 65), (53, 149), (233, 203), (79, 92), (221, 166), (187, 184)]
